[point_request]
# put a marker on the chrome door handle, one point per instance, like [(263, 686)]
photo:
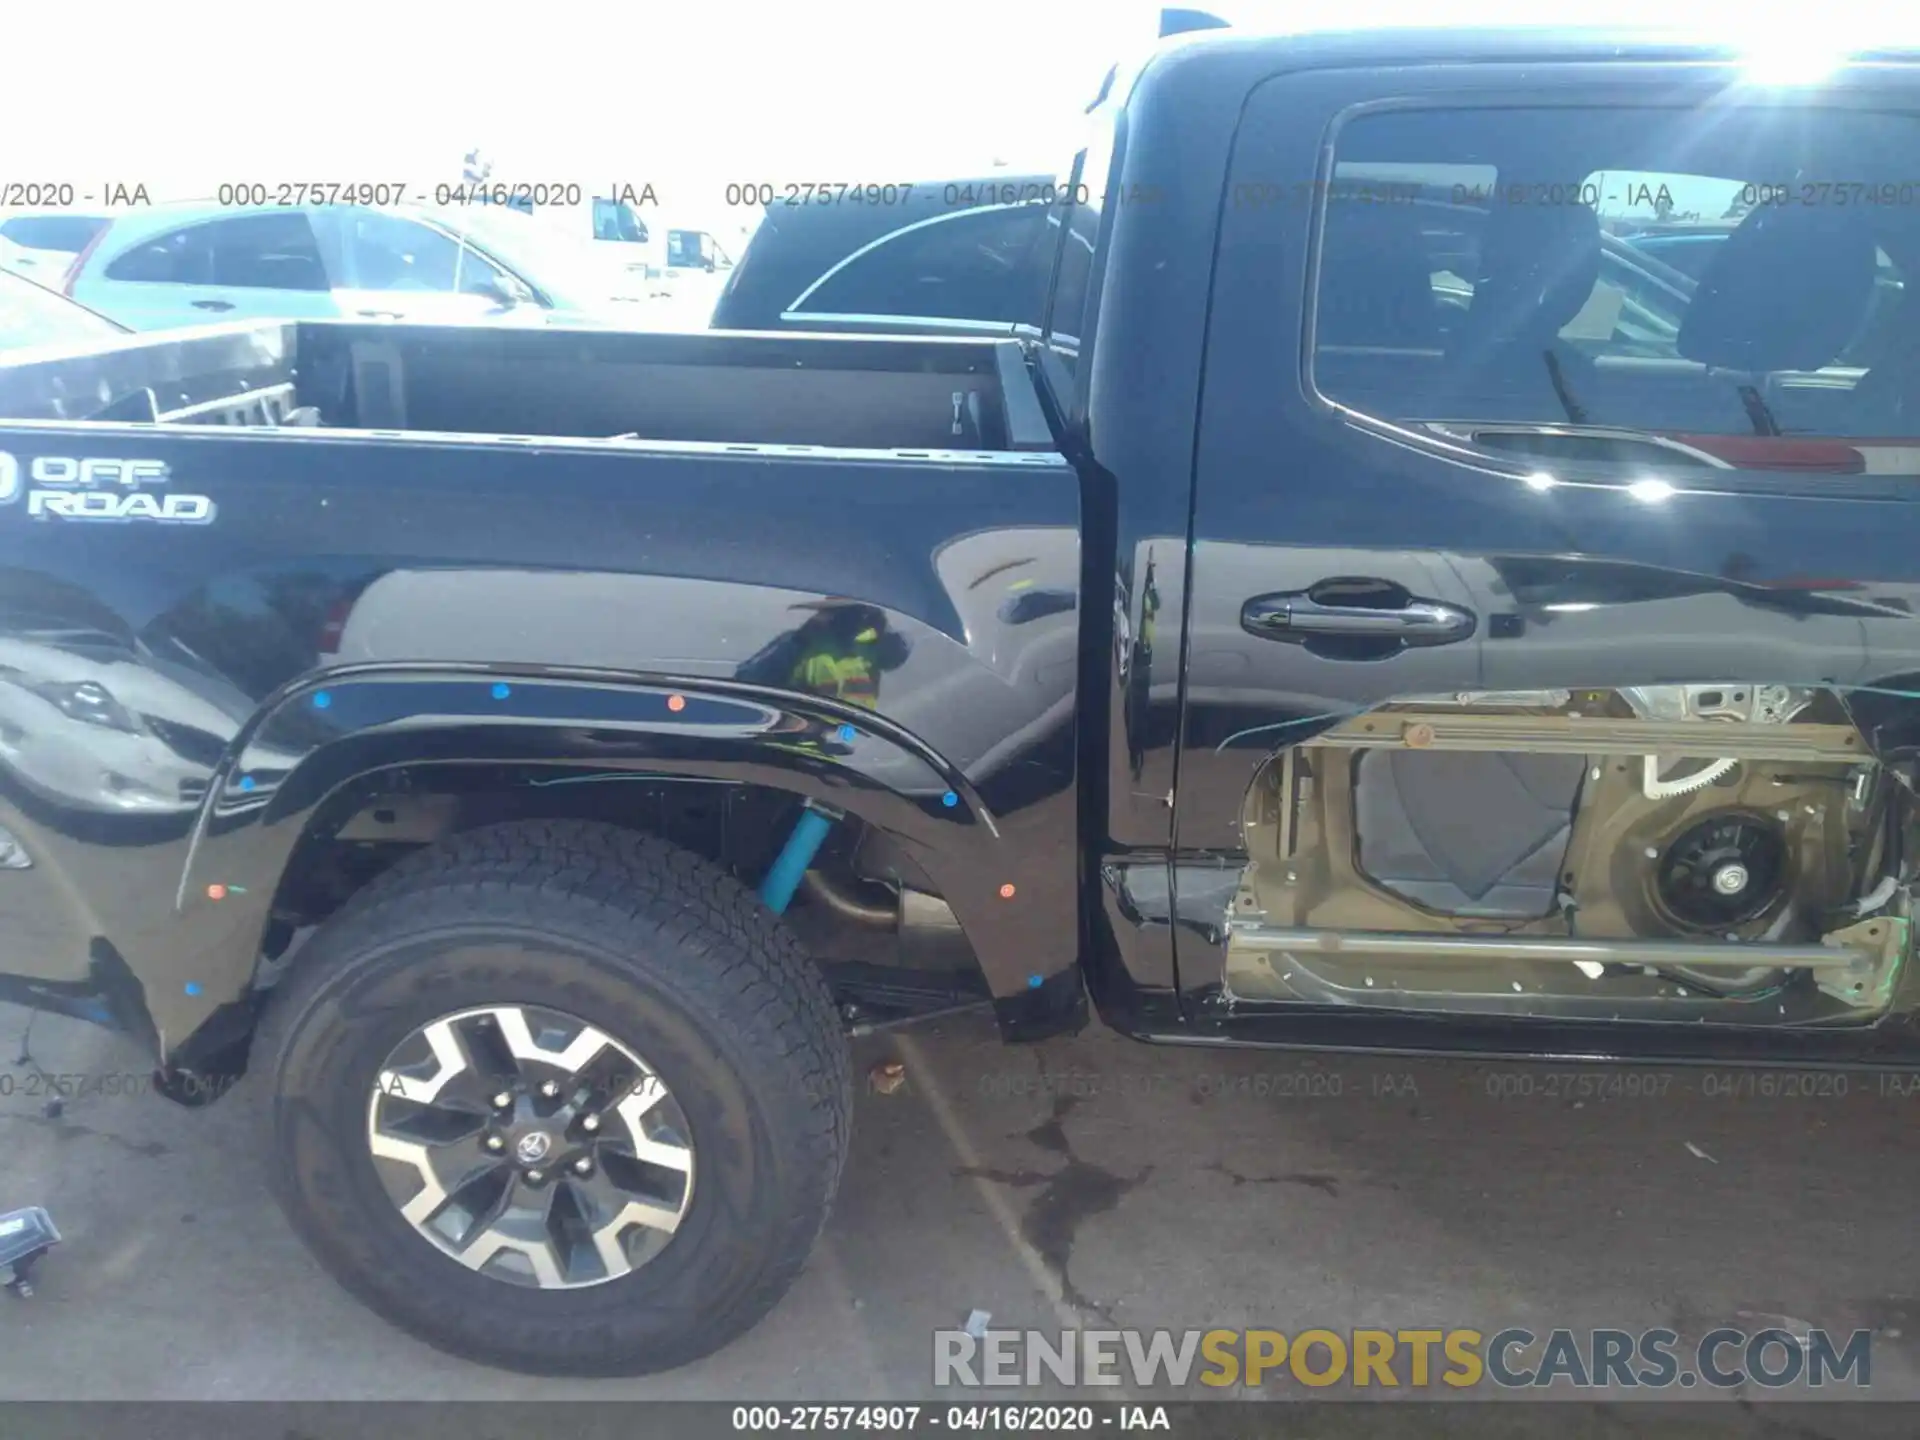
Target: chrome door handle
[(1296, 615)]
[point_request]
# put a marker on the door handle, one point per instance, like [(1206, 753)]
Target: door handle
[(1295, 615), (212, 304)]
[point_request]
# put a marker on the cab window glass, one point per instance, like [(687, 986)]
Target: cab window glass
[(982, 264), (1629, 286), (1073, 232)]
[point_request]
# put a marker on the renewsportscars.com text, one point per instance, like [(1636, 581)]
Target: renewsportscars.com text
[(1513, 1358)]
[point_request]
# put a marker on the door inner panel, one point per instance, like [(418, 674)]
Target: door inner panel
[(1723, 853)]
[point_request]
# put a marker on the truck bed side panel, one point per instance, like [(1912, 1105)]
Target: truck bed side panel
[(613, 572)]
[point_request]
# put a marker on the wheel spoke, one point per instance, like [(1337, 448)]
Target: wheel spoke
[(642, 1212), (609, 1238), (431, 1198), (538, 1254), (666, 1155), (518, 1036), (635, 1107), (450, 1059)]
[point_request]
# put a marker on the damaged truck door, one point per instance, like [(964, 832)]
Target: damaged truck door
[(1509, 610)]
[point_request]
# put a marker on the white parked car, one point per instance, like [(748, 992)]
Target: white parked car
[(194, 264)]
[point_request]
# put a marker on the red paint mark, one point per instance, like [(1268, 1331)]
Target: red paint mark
[(216, 892), (1006, 892)]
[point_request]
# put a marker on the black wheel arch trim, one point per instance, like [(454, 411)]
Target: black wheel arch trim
[(315, 738)]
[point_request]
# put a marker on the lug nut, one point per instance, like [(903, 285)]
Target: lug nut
[(549, 1089), (590, 1123), (494, 1142), (502, 1100), (534, 1177), (583, 1166)]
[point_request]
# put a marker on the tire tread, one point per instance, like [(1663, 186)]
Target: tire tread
[(631, 894)]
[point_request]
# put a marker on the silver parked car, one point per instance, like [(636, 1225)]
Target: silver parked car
[(192, 264)]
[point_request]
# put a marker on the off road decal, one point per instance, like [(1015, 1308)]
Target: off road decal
[(99, 488)]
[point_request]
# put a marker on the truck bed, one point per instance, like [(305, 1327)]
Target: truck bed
[(910, 393)]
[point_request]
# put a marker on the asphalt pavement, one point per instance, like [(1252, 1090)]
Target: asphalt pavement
[(1090, 1182)]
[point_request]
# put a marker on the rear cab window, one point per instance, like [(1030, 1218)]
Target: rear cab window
[(985, 263), (1628, 286)]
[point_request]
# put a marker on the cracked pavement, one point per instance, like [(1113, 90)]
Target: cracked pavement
[(1091, 1180)]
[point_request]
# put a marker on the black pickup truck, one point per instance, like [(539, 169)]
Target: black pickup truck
[(1380, 606)]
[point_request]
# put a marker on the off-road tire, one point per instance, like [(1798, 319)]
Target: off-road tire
[(663, 951)]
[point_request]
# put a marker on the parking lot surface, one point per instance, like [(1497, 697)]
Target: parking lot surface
[(1091, 1183)]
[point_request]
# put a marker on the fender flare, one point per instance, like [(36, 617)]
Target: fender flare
[(323, 734)]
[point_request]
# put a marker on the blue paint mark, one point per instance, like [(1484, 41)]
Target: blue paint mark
[(193, 987), (246, 782), (1034, 982), (502, 691), (949, 799), (321, 699), (847, 733)]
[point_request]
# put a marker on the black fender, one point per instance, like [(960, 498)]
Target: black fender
[(315, 739)]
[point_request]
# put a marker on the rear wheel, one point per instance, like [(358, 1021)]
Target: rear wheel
[(558, 1097)]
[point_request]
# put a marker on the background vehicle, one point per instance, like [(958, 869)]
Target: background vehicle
[(1344, 618), (617, 240), (41, 244), (192, 264)]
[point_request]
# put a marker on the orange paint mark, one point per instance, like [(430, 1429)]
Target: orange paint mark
[(1006, 892), (676, 703), (216, 892)]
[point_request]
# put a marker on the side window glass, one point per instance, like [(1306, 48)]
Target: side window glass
[(1487, 276), (266, 252), (179, 257), (389, 253), (984, 264), (480, 275), (254, 252)]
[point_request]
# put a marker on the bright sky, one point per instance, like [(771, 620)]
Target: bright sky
[(187, 94)]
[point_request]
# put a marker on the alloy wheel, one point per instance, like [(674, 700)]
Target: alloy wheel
[(531, 1146)]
